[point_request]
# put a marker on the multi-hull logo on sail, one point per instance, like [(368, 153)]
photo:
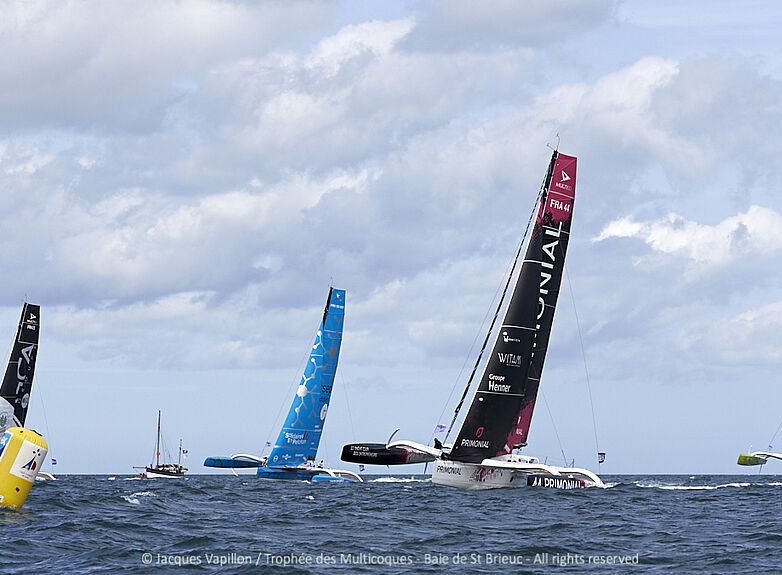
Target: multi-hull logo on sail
[(561, 183)]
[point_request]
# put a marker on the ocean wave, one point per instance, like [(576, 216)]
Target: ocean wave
[(133, 498)]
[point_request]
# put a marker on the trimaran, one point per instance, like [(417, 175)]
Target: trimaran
[(760, 457), (294, 453), (497, 423)]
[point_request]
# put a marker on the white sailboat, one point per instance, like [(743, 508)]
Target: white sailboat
[(484, 454)]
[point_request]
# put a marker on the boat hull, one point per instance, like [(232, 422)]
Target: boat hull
[(314, 474), (153, 473), (475, 476)]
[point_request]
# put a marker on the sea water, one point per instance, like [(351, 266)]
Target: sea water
[(227, 524)]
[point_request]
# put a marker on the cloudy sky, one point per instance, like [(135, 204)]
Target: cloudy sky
[(182, 181)]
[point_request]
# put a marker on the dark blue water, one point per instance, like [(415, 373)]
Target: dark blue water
[(227, 524)]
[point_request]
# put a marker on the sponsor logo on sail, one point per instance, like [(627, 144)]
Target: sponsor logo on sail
[(296, 438), (561, 183), (479, 432), (495, 383), (481, 444), (549, 250), (508, 339), (499, 387), (509, 359)]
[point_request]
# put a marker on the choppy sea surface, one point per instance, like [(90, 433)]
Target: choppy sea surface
[(227, 524)]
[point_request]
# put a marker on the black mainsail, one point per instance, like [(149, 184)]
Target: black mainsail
[(18, 380), (501, 411)]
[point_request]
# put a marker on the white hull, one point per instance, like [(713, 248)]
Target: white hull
[(474, 476), (502, 472)]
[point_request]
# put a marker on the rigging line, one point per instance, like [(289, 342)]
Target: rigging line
[(583, 356), (283, 403), (469, 354), (771, 443), (554, 425), (347, 404), (497, 312), (39, 393)]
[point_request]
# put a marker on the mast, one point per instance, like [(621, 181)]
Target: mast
[(499, 417), (157, 443)]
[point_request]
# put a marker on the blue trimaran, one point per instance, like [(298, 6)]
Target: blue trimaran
[(294, 453)]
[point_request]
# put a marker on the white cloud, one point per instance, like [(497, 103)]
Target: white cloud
[(757, 231), (119, 65), (350, 42)]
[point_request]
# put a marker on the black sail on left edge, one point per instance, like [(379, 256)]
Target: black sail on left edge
[(18, 380), (499, 417)]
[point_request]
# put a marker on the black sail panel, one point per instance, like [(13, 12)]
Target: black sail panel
[(555, 224), (18, 379), (499, 416)]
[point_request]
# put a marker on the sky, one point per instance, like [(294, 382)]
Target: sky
[(182, 181)]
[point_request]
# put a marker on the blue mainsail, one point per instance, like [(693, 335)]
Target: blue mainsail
[(300, 434)]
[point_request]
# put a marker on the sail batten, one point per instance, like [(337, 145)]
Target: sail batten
[(501, 411)]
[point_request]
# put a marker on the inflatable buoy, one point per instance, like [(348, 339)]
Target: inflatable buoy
[(22, 452)]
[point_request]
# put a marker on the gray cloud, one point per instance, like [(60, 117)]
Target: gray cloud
[(465, 25)]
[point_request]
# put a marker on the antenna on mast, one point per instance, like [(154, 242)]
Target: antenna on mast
[(549, 145)]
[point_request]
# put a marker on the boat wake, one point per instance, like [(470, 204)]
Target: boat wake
[(400, 480), (667, 487)]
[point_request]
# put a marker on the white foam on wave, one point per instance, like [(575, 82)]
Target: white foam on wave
[(133, 499), (111, 479), (689, 487), (398, 480)]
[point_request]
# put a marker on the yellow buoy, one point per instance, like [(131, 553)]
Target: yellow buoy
[(22, 452)]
